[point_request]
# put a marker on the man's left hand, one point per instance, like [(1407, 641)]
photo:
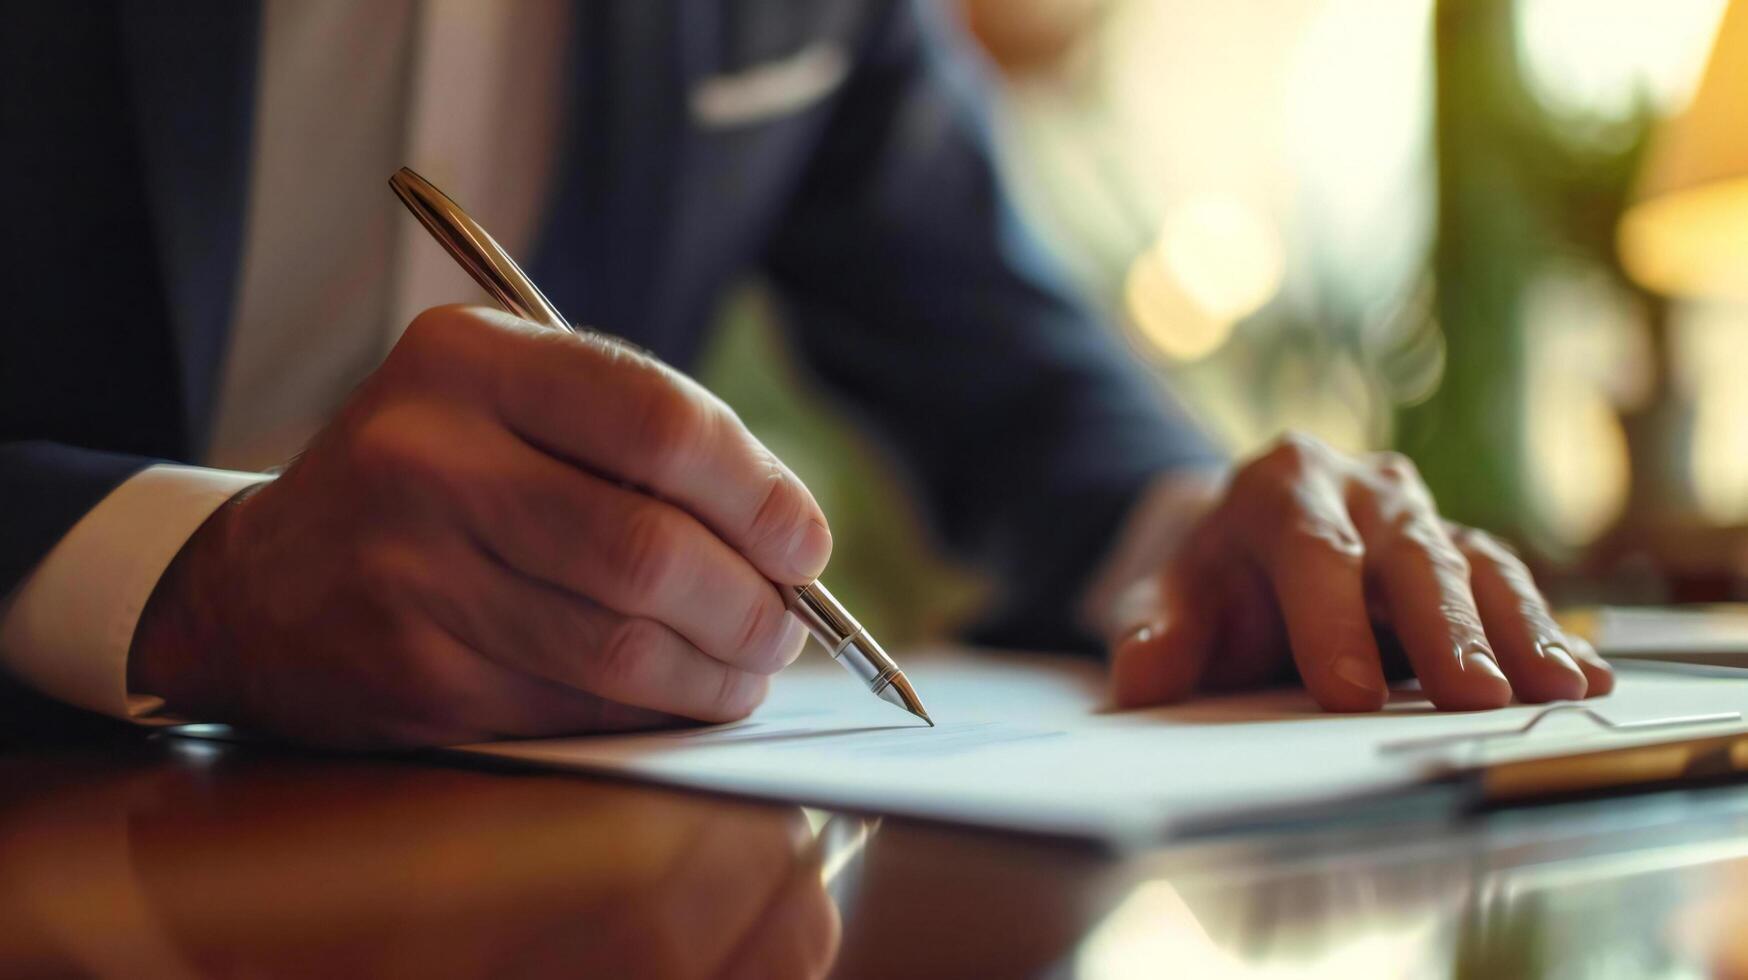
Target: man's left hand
[(1306, 559)]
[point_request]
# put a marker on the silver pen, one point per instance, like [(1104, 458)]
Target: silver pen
[(824, 616)]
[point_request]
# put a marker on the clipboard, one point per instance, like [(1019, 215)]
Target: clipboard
[(1508, 766)]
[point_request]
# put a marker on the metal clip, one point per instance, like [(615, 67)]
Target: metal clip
[(1601, 720)]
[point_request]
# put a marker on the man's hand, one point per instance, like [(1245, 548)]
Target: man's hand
[(506, 531), (1309, 556)]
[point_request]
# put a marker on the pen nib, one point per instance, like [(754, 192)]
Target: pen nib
[(898, 691)]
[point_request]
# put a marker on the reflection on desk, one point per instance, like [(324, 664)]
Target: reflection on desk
[(312, 867), (159, 857)]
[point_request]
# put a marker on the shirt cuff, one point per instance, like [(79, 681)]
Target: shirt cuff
[(66, 629)]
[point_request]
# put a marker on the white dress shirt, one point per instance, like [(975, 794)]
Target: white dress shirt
[(332, 270)]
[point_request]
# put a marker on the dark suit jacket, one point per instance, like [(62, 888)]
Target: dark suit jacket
[(125, 133)]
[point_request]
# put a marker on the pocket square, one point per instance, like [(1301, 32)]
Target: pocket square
[(769, 90)]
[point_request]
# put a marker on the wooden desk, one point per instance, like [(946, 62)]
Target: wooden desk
[(130, 856)]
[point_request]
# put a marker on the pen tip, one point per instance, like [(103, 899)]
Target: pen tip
[(899, 692)]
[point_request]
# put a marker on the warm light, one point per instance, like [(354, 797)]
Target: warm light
[(1720, 453), (1711, 345), (1217, 261), (1165, 317), (1580, 480), (1225, 254), (1358, 93), (1691, 243), (1688, 233), (1150, 930), (1580, 331), (1598, 58), (1154, 932)]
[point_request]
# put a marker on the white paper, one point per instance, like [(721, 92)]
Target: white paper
[(1023, 743), (1703, 634)]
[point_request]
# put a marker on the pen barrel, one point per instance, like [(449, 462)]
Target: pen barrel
[(823, 615), (849, 644)]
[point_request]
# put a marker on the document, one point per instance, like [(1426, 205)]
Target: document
[(1715, 635), (1026, 743)]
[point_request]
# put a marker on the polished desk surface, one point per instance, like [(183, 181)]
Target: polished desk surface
[(123, 855)]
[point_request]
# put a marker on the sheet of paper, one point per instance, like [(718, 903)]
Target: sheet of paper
[(1698, 634), (1022, 743)]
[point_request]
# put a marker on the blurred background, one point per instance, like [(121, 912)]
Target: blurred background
[(1498, 235)]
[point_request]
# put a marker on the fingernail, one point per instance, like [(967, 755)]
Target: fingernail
[(1142, 634), (1582, 649), (1558, 654), (810, 547), (792, 641), (1480, 663), (1354, 671)]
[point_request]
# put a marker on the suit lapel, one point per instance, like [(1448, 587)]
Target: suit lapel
[(192, 65)]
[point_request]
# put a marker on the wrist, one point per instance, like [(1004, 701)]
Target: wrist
[(179, 650)]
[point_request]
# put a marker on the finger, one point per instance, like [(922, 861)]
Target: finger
[(631, 553), (1290, 517), (1531, 647), (631, 418), (717, 888), (643, 558), (1425, 582), (450, 694), (1596, 670), (795, 938), (1250, 648), (546, 633), (1160, 661)]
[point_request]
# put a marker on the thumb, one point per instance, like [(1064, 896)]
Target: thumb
[(1162, 651)]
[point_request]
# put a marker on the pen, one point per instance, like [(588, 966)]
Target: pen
[(486, 261)]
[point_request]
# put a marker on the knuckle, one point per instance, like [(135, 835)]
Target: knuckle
[(430, 328), (526, 373), (1289, 460), (1461, 614), (623, 651), (435, 336), (1266, 480), (781, 508), (395, 582), (409, 655), (1489, 547), (1394, 467), (1298, 448), (488, 497), (759, 626), (727, 703), (648, 551), (669, 428), (384, 450), (1417, 537), (1329, 540), (1534, 610), (1510, 569), (737, 694)]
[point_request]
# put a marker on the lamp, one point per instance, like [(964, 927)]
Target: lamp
[(1686, 233)]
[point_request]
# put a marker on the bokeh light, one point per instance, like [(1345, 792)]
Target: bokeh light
[(1217, 260), (1597, 57)]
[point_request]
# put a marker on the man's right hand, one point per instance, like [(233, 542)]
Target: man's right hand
[(506, 531)]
